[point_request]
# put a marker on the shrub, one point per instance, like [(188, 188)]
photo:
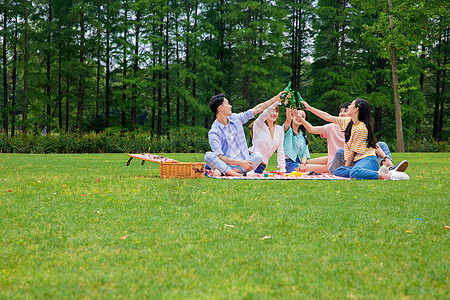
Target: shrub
[(183, 139), (317, 144)]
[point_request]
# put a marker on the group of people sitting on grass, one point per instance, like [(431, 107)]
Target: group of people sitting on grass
[(352, 149)]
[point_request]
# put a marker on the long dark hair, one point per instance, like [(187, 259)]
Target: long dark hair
[(302, 128), (364, 116)]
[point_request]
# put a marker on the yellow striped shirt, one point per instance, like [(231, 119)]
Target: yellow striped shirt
[(358, 139)]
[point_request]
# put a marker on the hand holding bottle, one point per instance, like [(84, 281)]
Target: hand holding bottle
[(306, 105)]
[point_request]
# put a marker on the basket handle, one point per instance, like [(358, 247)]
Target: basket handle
[(198, 170)]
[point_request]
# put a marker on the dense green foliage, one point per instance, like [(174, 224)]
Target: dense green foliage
[(87, 65), (87, 226), (181, 140)]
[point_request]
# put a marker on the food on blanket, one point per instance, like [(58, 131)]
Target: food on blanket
[(277, 172), (296, 173)]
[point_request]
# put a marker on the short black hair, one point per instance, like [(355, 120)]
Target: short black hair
[(345, 105), (216, 101)]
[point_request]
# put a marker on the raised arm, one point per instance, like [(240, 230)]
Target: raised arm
[(262, 106), (288, 121), (310, 128), (321, 114)]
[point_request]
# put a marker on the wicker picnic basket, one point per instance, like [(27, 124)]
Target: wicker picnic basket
[(182, 170), (170, 168)]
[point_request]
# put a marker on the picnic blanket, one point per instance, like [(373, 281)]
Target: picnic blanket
[(278, 176), (150, 157)]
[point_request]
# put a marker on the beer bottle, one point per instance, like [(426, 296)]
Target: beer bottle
[(299, 99), (293, 103), (286, 90)]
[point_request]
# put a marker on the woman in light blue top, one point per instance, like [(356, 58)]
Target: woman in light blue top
[(295, 141)]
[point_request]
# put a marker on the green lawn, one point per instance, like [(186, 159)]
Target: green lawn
[(63, 215)]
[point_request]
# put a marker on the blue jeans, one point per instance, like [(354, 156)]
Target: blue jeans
[(260, 168), (291, 165), (214, 162), (365, 168), (339, 161)]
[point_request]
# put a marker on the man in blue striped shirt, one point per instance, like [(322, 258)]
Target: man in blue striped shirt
[(230, 153)]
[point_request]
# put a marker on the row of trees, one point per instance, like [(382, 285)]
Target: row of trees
[(91, 64)]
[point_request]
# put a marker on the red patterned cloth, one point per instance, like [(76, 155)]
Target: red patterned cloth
[(152, 157), (278, 176)]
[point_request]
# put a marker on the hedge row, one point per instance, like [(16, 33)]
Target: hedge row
[(184, 139)]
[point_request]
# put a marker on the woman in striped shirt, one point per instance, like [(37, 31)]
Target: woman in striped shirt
[(359, 147)]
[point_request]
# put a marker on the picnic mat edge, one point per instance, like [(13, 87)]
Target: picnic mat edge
[(323, 176)]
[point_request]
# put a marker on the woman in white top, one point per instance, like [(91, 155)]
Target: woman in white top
[(268, 137)]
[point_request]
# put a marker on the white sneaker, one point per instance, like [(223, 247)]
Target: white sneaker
[(217, 173), (251, 174), (398, 175), (384, 169)]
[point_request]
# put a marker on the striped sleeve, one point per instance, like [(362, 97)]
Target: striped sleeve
[(343, 122), (359, 138)]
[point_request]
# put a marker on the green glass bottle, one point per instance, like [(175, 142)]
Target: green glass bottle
[(299, 99), (293, 103), (286, 90)]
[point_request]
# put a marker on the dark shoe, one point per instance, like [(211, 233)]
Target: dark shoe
[(400, 167)]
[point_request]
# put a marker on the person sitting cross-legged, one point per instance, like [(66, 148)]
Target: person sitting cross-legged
[(335, 144), (230, 154)]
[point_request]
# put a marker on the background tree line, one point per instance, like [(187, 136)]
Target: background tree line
[(84, 65)]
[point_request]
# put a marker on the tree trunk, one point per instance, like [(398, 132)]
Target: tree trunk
[(167, 46), (48, 89), (186, 80), (160, 54), (194, 64), (60, 80), (297, 45), (221, 29), (124, 71), (178, 72), (377, 127), (135, 70), (5, 72), (441, 118), (67, 93), (81, 83), (437, 98), (342, 38), (154, 80), (99, 66), (108, 67), (398, 109), (246, 79), (26, 57), (14, 80)]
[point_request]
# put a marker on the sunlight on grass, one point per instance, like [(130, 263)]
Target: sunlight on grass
[(88, 226)]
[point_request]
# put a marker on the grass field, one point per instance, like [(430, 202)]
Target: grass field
[(87, 226)]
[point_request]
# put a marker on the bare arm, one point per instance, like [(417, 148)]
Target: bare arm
[(288, 121), (262, 106), (310, 128), (350, 158), (321, 114)]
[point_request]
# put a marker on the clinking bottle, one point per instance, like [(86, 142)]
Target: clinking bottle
[(286, 90), (299, 99)]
